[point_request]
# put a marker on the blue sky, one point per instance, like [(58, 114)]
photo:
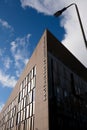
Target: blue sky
[(22, 22)]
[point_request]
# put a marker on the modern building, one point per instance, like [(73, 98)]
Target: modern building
[(51, 93)]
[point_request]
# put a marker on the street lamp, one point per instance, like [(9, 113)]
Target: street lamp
[(58, 13)]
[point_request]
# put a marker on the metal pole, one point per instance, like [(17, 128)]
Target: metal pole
[(81, 25)]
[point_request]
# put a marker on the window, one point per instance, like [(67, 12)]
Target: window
[(31, 109), (22, 84), (26, 80), (21, 104), (24, 114), (14, 111), (33, 83), (77, 89), (20, 87), (27, 111), (29, 87), (18, 118), (34, 70), (29, 76), (21, 115), (30, 96), (20, 95), (11, 114), (27, 100), (65, 93), (24, 101), (33, 94), (29, 123), (12, 122), (32, 123), (23, 92), (31, 73)]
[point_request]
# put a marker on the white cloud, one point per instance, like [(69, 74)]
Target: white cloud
[(5, 24), (73, 39), (1, 106), (7, 62), (6, 80), (19, 49), (45, 6)]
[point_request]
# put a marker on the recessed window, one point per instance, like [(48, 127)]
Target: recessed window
[(32, 123), (28, 99), (21, 95), (29, 124), (18, 118), (24, 101), (34, 95), (23, 84), (31, 73), (20, 87), (29, 87), (34, 70), (12, 122), (33, 83), (23, 92), (27, 111), (21, 104), (30, 95), (11, 114), (14, 111), (31, 109), (24, 114), (21, 115)]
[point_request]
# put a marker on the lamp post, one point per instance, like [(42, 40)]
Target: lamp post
[(58, 13)]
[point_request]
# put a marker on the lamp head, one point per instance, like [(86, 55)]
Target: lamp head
[(58, 13)]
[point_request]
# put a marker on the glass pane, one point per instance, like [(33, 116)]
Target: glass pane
[(21, 115), (33, 83), (29, 76), (34, 70), (26, 80), (32, 124), (27, 111), (33, 94), (18, 118), (28, 99), (31, 73), (21, 104), (29, 123), (31, 109), (19, 107), (20, 87), (28, 87), (24, 101), (26, 90), (24, 114), (23, 92), (12, 122), (22, 84), (30, 95), (20, 95)]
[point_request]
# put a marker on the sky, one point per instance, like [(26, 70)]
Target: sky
[(22, 22)]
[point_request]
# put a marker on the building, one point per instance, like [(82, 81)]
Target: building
[(50, 94)]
